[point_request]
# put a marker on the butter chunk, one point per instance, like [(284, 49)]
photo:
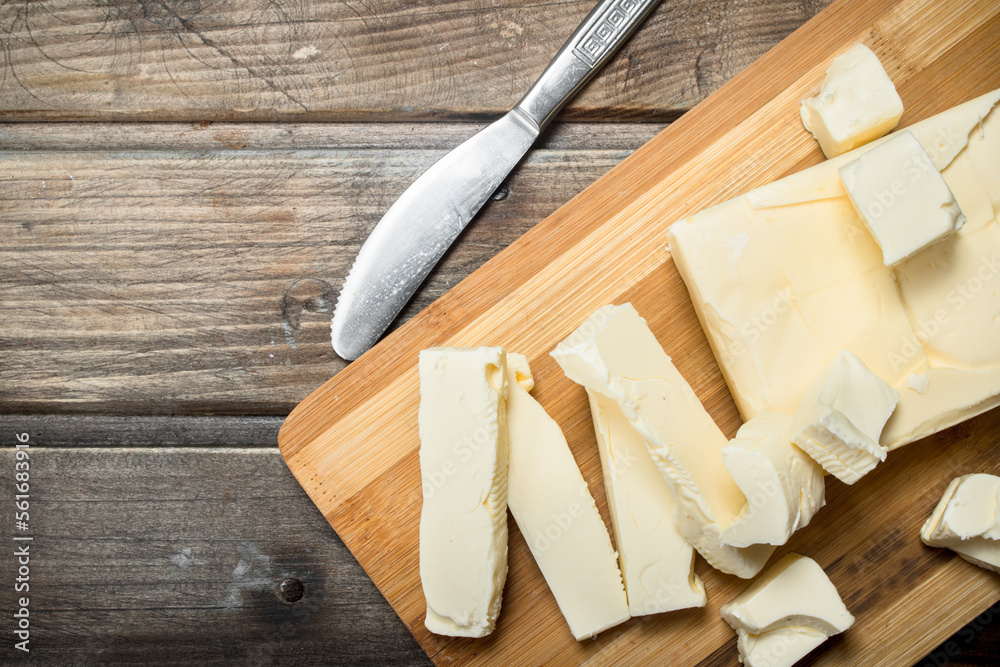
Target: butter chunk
[(967, 520), (783, 486), (811, 281), (842, 416), (786, 613), (613, 353), (857, 103), (463, 469), (901, 197), (557, 515), (656, 560)]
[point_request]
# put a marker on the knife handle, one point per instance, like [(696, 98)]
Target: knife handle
[(607, 26)]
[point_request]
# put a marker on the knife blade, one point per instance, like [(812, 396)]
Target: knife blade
[(422, 224)]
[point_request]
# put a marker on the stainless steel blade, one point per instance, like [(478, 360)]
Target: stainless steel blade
[(417, 230)]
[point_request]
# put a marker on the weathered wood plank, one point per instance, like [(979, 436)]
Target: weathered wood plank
[(303, 136), (139, 282), (176, 556), (143, 430), (354, 60)]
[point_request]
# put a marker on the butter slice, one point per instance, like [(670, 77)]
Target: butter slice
[(657, 562), (463, 469), (811, 281), (901, 197), (615, 354), (786, 613), (842, 416), (783, 486), (856, 103), (967, 520), (557, 515)]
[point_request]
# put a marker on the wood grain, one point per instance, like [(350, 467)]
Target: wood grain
[(114, 587), (358, 61), (115, 519), (160, 556), (207, 136), (143, 281), (353, 443), (103, 431)]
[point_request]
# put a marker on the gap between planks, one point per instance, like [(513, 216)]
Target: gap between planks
[(105, 136), (145, 431)]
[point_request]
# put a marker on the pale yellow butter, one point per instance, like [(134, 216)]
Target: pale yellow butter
[(463, 469), (810, 281), (615, 354), (842, 416), (783, 486), (656, 561), (901, 197), (856, 103), (967, 520), (786, 613), (557, 515)]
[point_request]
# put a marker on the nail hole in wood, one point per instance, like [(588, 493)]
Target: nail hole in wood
[(291, 590), (501, 192)]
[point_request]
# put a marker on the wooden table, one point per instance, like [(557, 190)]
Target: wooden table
[(183, 185)]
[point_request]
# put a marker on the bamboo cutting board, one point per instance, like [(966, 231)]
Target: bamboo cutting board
[(353, 443)]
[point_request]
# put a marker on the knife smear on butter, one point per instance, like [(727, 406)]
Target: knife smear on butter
[(427, 218)]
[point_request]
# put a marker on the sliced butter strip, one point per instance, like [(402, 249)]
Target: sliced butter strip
[(786, 613), (967, 520), (614, 353), (656, 560), (557, 515), (810, 281), (783, 486), (856, 103), (463, 469), (842, 416)]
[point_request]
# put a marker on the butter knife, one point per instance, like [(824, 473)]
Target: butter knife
[(427, 218)]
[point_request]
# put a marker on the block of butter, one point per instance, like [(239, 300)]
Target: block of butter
[(463, 469), (901, 197), (557, 515), (967, 520), (786, 613), (785, 277), (783, 486), (841, 418), (613, 353), (857, 103), (656, 560)]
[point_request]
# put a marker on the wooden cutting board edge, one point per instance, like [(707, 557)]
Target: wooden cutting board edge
[(442, 318), (712, 118)]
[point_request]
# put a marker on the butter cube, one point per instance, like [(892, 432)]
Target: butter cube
[(841, 418), (902, 197), (786, 613), (857, 103), (967, 520)]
